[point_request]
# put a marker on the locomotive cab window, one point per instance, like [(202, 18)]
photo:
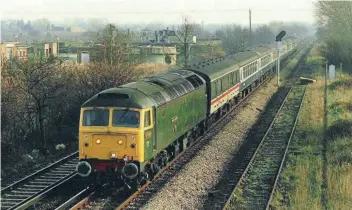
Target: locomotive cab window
[(147, 119), (96, 117), (125, 118)]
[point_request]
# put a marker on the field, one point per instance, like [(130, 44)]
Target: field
[(314, 177)]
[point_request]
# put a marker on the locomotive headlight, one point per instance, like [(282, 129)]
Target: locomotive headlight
[(97, 141), (113, 155), (120, 142), (86, 137)]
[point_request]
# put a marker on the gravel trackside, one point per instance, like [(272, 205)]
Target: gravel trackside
[(189, 188)]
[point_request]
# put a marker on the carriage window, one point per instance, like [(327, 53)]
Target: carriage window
[(218, 87), (147, 119), (96, 117)]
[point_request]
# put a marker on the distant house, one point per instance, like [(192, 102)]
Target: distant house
[(57, 28), (163, 54), (46, 49), (13, 49), (75, 29)]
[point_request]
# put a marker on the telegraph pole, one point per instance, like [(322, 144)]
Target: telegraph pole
[(58, 47), (278, 40), (112, 37), (250, 28)]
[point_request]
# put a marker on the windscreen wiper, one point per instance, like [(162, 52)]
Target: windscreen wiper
[(126, 110)]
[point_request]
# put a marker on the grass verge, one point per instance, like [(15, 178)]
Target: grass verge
[(300, 184)]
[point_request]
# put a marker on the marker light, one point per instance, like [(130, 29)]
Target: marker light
[(113, 155), (97, 141), (120, 142)]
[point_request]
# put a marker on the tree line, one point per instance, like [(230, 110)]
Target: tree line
[(41, 98), (334, 20)]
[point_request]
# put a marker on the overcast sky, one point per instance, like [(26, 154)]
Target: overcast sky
[(165, 11)]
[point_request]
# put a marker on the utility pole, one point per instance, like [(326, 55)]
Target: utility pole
[(113, 33), (250, 28), (203, 29), (58, 47), (185, 45), (278, 40), (111, 45)]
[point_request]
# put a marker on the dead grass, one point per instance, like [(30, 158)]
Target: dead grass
[(340, 187), (300, 182)]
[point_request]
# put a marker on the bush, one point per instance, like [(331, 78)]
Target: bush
[(41, 100), (340, 129), (347, 83)]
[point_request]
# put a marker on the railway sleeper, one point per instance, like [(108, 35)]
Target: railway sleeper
[(36, 186), (13, 200), (63, 170), (23, 196), (29, 190), (48, 178), (43, 183), (24, 192), (59, 174), (53, 176), (43, 180)]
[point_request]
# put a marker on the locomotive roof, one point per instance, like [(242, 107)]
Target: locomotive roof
[(151, 91)]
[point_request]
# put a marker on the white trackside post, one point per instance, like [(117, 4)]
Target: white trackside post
[(278, 62)]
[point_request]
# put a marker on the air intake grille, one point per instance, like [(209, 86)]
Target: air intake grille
[(171, 92), (188, 86), (158, 98)]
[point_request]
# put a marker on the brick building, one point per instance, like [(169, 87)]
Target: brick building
[(13, 49)]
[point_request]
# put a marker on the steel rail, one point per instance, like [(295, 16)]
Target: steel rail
[(34, 187), (83, 202), (75, 201), (286, 150), (134, 196), (269, 131)]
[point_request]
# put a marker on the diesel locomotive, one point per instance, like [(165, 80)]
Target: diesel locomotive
[(128, 133)]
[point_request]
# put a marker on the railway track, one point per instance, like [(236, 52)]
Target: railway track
[(223, 191), (143, 195), (257, 183), (31, 189), (75, 201)]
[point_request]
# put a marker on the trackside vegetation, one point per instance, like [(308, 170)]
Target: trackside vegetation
[(301, 182)]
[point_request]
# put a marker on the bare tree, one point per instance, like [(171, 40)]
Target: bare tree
[(335, 28), (185, 33), (118, 47), (234, 38)]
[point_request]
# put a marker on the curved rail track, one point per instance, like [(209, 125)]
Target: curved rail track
[(142, 196), (224, 190), (258, 181), (31, 189)]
